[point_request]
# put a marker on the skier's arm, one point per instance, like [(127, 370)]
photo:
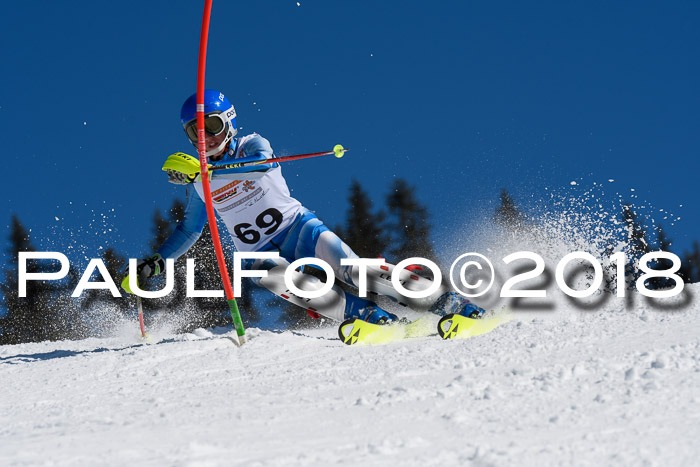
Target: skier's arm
[(183, 237), (188, 230)]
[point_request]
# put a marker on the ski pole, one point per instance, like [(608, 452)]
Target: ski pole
[(139, 305), (338, 151), (188, 165)]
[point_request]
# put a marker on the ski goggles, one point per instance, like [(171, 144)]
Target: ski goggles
[(214, 124)]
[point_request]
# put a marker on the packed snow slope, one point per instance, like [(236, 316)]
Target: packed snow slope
[(615, 386)]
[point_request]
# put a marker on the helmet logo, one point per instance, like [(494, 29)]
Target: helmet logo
[(221, 96)]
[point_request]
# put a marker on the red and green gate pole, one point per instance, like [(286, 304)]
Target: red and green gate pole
[(202, 147)]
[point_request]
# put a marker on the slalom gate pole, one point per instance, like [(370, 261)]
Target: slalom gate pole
[(201, 145)]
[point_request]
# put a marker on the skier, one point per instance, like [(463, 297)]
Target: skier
[(255, 205)]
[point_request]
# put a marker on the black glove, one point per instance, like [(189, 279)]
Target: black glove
[(178, 178), (145, 268), (150, 267)]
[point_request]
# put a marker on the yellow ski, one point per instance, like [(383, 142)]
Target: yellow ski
[(460, 327), (355, 331)]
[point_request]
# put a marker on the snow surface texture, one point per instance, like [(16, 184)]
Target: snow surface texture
[(616, 386)]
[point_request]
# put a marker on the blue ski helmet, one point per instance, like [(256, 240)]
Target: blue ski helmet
[(219, 116)]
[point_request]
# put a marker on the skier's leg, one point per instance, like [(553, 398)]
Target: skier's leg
[(442, 301), (335, 304), (330, 248), (311, 238)]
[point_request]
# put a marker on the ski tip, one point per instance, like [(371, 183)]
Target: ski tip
[(348, 332)]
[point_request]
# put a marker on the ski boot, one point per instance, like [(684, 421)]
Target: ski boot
[(454, 308), (365, 322), (359, 308), (453, 303)]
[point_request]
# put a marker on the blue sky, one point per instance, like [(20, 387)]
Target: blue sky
[(460, 98)]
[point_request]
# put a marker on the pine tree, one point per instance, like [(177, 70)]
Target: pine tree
[(637, 244), (18, 322), (46, 312), (195, 312), (67, 320), (363, 230), (664, 244), (507, 213), (207, 312), (162, 228), (178, 296), (636, 233), (410, 227), (690, 265), (101, 301)]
